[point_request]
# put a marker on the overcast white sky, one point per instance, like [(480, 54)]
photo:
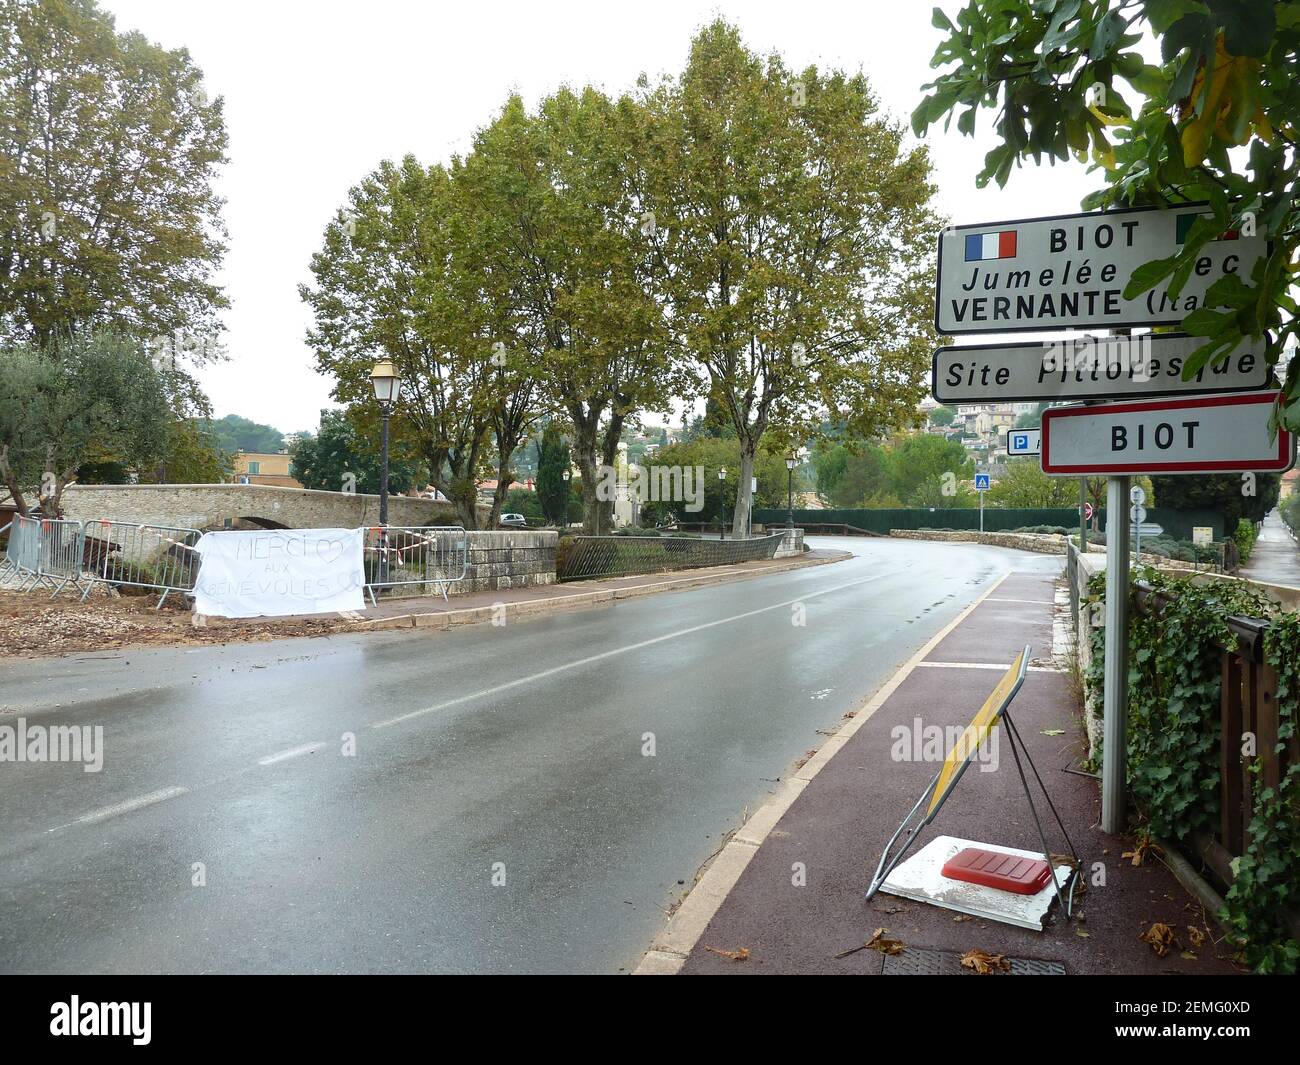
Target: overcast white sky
[(317, 93)]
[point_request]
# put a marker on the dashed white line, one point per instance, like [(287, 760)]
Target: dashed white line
[(105, 812), (293, 752), (577, 663), (1001, 666)]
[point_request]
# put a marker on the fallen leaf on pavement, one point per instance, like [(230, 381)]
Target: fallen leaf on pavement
[(1082, 934), (1140, 849), (1188, 955), (1196, 935), (1160, 937), (984, 963), (735, 955), (962, 917), (876, 942), (885, 946)]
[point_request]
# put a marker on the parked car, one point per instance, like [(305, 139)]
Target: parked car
[(513, 521)]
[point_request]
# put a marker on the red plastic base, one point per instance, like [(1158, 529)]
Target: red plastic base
[(1006, 872)]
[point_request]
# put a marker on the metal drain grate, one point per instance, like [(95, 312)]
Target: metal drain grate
[(918, 961)]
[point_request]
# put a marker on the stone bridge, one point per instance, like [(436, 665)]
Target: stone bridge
[(217, 506)]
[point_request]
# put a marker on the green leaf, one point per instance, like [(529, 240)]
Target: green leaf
[(1148, 275), (1248, 25)]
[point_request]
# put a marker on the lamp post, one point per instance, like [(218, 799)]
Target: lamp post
[(722, 502), (790, 464), (388, 386)]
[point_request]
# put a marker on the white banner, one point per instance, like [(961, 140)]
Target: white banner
[(273, 572)]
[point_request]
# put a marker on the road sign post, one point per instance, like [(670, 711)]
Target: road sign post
[(981, 486), (1115, 688), (1070, 272), (1139, 514), (1083, 515)]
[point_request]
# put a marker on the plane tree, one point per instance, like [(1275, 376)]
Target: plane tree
[(107, 210), (563, 239), (796, 243), (389, 282)]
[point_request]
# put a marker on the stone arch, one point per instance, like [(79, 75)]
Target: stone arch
[(262, 523)]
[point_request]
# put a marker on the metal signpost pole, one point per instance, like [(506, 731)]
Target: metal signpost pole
[(1083, 518), (1115, 708)]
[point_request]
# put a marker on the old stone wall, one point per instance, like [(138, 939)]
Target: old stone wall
[(1047, 544), (208, 506), (514, 559)]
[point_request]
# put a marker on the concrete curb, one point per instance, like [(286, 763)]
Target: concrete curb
[(1195, 884), (444, 619), (673, 945)]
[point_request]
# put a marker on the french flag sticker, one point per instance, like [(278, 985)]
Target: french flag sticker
[(981, 246)]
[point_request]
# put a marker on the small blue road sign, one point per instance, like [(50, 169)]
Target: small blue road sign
[(981, 482), (1024, 441)]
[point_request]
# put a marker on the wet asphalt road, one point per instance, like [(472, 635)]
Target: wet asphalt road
[(483, 754)]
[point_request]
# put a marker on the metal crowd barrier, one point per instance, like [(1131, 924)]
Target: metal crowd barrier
[(407, 559), (621, 556), (22, 553), (43, 551), (158, 558), (59, 556)]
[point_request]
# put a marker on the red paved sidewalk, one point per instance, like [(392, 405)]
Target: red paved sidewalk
[(842, 819)]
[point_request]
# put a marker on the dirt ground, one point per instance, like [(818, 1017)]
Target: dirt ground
[(33, 624)]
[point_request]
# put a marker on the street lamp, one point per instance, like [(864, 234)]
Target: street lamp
[(722, 502), (790, 464), (388, 387)]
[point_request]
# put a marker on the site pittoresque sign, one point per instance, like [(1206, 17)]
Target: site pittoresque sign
[(1209, 434), (1091, 367), (1069, 271)]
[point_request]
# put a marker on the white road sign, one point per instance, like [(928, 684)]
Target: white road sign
[(1023, 441), (1069, 271), (1211, 434), (1091, 367), (1137, 495), (1137, 513)]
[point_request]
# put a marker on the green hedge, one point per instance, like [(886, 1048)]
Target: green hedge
[(882, 521), (1173, 739), (1177, 524)]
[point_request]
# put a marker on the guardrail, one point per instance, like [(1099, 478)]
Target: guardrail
[(408, 559), (158, 558), (621, 556)]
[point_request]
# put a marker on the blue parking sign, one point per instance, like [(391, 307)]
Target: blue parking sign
[(1024, 441)]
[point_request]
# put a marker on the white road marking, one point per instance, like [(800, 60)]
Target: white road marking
[(105, 812), (293, 752), (1036, 602), (578, 663), (1003, 667)]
